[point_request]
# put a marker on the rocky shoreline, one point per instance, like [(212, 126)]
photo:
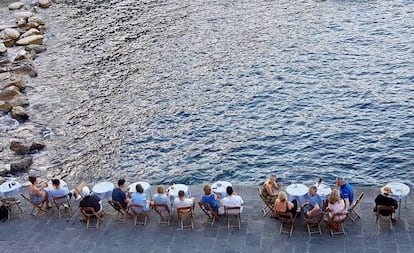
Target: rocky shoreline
[(21, 42)]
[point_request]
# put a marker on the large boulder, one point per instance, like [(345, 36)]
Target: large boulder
[(19, 147), (19, 100), (33, 39), (23, 14), (23, 54), (21, 166), (5, 106), (4, 170), (10, 34), (36, 20), (3, 48), (19, 113), (45, 3), (30, 32), (9, 42), (17, 81), (9, 93), (16, 6)]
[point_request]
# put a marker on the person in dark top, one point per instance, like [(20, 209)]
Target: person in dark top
[(90, 200), (384, 198), (119, 195)]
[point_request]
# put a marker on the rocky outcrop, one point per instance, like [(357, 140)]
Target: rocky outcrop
[(3, 48), (19, 113), (10, 34), (23, 149), (16, 6), (5, 106), (45, 3), (21, 165), (33, 39)]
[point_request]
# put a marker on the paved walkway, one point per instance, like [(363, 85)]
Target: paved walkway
[(48, 233)]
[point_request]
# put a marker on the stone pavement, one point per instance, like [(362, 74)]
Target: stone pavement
[(48, 233)]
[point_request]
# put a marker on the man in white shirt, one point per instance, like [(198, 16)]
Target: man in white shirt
[(182, 201), (232, 200)]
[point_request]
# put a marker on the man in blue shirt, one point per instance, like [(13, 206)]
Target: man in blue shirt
[(119, 195), (346, 192), (314, 206)]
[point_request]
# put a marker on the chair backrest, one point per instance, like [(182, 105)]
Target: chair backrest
[(361, 195), (60, 200), (263, 197), (188, 210), (205, 207), (89, 212), (159, 208), (136, 208), (385, 210), (338, 217), (287, 216), (232, 210), (116, 205)]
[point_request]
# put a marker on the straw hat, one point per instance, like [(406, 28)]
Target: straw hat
[(386, 190)]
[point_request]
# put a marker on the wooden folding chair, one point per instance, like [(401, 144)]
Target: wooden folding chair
[(233, 212), (267, 207), (63, 206), (138, 212), (120, 211), (183, 214), (313, 224), (352, 213), (36, 207), (335, 224), (90, 214), (386, 212), (210, 215), (13, 206), (287, 222), (163, 212)]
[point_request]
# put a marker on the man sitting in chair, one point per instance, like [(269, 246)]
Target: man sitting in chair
[(314, 206), (346, 192), (232, 199), (182, 201), (118, 194), (59, 191), (90, 200), (384, 198)]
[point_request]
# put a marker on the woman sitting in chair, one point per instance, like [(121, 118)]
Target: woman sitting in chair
[(36, 194), (282, 204), (140, 198), (336, 205), (268, 188), (210, 198)]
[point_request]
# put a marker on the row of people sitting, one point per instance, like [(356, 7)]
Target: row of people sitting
[(162, 197), (339, 202)]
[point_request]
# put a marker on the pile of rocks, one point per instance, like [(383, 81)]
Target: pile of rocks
[(19, 45)]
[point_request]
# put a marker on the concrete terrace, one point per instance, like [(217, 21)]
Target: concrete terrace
[(48, 233)]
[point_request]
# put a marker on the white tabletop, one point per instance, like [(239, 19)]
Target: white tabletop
[(323, 190), (63, 184), (220, 187), (399, 190), (145, 185), (10, 188), (103, 187), (297, 189), (175, 188)]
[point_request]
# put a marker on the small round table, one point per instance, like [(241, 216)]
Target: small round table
[(220, 188), (323, 191), (298, 192), (175, 188), (399, 191), (103, 190), (10, 189), (145, 185)]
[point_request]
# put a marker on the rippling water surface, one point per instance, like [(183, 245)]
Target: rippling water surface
[(196, 91)]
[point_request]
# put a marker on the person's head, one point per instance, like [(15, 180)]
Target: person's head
[(56, 182), (387, 191), (229, 190), (32, 179), (281, 196), (139, 188), (207, 189), (340, 181), (334, 196), (161, 189), (181, 194), (121, 183), (86, 191), (272, 178), (313, 190)]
